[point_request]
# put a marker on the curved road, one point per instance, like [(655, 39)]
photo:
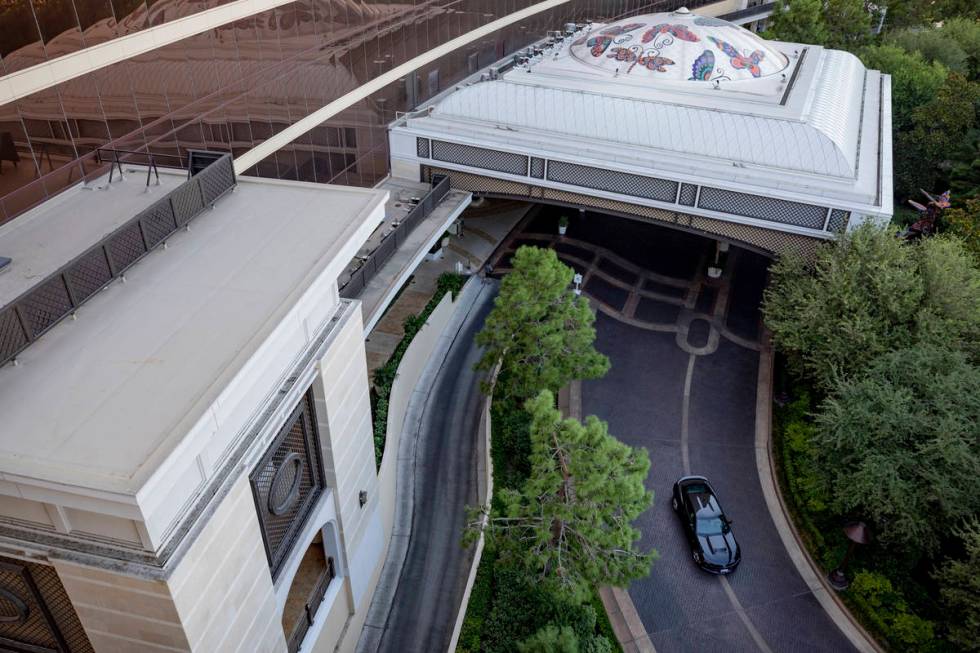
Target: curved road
[(685, 363), (433, 575)]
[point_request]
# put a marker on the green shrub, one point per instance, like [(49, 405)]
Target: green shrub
[(522, 607), (510, 448), (479, 605), (888, 608)]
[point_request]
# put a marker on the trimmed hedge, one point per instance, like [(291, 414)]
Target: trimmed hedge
[(384, 376)]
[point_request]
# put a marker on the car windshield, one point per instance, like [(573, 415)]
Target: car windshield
[(711, 526)]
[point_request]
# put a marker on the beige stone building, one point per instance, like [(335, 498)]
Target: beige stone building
[(187, 459)]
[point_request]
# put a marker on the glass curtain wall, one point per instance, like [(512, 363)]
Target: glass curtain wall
[(232, 87)]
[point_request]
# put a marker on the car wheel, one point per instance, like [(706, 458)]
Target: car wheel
[(697, 557), (674, 504)]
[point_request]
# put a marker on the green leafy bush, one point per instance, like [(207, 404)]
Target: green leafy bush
[(807, 485), (888, 607), (522, 607)]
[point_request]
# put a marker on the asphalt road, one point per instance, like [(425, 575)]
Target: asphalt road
[(436, 565), (685, 361)]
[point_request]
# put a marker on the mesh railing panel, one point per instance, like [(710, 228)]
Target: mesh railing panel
[(37, 613), (45, 305), (89, 274), (688, 195), (158, 222), (216, 180), (363, 275), (50, 300), (422, 147), (762, 208), (126, 247), (287, 482), (12, 336), (186, 201), (612, 181), (480, 157)]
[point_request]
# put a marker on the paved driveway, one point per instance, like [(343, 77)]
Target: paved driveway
[(685, 362)]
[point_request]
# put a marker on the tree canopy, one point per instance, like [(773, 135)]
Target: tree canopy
[(799, 21), (938, 128), (571, 523), (915, 81), (934, 45), (540, 331), (868, 294), (848, 24), (960, 591), (901, 445)]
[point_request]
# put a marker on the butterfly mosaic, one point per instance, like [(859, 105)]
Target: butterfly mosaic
[(677, 31), (650, 61), (600, 43), (739, 61), (702, 67)]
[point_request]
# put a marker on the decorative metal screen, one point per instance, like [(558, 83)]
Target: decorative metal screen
[(537, 167), (689, 194), (610, 180), (44, 306), (36, 615), (838, 220), (762, 208), (422, 148), (480, 157), (158, 223), (126, 247), (287, 482), (187, 201)]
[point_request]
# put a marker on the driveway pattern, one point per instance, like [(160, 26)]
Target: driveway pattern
[(685, 361)]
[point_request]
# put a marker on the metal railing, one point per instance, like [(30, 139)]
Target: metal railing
[(33, 312), (302, 626), (360, 278), (760, 11)]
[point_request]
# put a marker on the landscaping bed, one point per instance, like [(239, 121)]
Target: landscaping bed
[(384, 376), (507, 606), (895, 604)]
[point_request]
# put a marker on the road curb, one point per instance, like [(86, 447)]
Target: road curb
[(805, 565)]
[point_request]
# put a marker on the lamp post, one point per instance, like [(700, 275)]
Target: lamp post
[(858, 533)]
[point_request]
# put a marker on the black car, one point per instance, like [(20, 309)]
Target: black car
[(708, 530)]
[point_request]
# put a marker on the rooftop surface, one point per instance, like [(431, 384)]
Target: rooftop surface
[(45, 238), (800, 122), (101, 401)]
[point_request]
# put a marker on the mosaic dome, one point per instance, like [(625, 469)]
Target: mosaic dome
[(678, 46)]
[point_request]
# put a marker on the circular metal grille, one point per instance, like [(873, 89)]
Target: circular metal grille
[(284, 491), (13, 609)]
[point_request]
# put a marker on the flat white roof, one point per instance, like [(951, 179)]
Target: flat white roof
[(42, 240), (101, 401)]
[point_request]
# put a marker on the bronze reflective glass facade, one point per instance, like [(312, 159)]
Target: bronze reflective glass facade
[(230, 88)]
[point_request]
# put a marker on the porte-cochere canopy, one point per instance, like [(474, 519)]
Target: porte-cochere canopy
[(673, 111)]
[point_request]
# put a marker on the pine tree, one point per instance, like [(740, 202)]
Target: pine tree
[(540, 331), (570, 525)]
